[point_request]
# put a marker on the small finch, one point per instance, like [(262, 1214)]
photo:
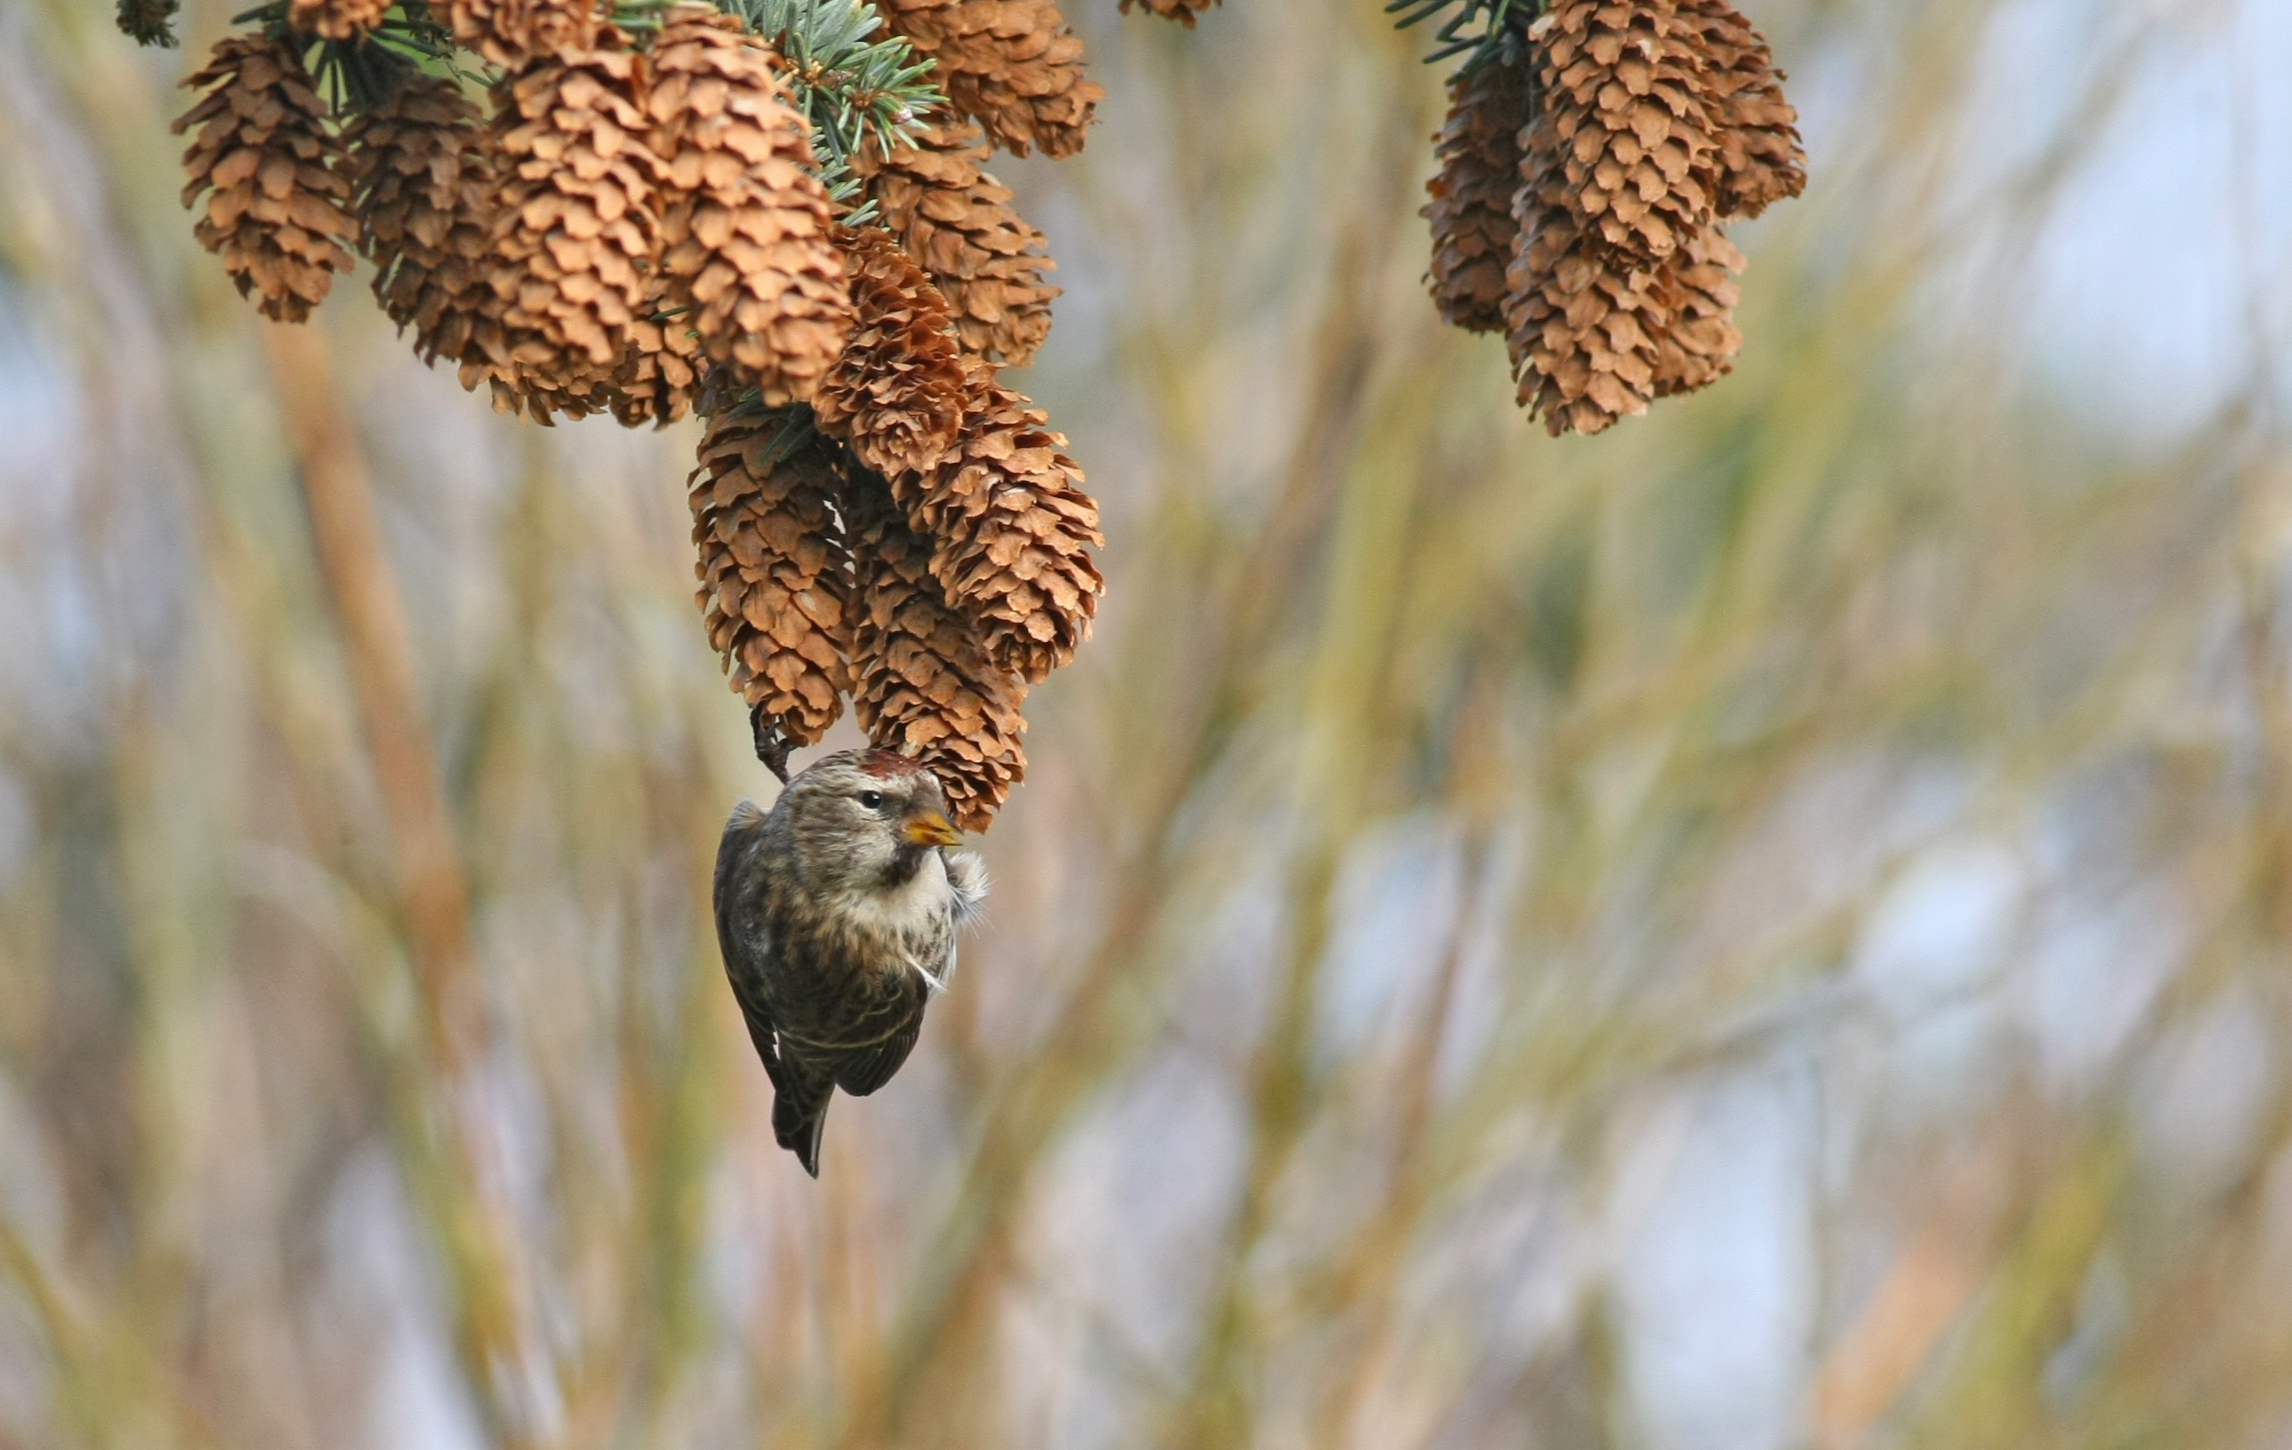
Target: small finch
[(837, 912)]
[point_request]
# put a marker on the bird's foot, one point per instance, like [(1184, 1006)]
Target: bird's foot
[(772, 747)]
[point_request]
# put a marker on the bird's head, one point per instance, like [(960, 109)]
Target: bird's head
[(864, 819)]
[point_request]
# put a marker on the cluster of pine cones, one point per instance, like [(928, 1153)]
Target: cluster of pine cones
[(638, 227), (1586, 167)]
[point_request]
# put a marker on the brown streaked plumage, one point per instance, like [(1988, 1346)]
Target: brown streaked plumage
[(837, 912)]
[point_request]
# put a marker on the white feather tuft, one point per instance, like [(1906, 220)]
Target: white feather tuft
[(968, 875)]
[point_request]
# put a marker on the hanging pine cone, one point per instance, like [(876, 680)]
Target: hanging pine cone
[(1012, 65), (1471, 207), (746, 255), (924, 686), (1757, 127), (336, 19), (956, 221), (1628, 90), (422, 183), (774, 573), (1695, 292), (277, 216), (1011, 530), (1659, 117), (1594, 339), (896, 395), (1580, 322), (575, 233), (510, 33), (1183, 11)]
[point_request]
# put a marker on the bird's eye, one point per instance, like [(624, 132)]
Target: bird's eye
[(872, 799)]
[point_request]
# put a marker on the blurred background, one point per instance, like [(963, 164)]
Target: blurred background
[(1764, 928)]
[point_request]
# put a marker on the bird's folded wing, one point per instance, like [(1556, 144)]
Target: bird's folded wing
[(763, 1032), (739, 835), (898, 1016)]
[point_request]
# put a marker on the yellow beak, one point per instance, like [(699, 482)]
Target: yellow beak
[(929, 828)]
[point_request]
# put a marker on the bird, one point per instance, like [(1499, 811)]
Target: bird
[(837, 912)]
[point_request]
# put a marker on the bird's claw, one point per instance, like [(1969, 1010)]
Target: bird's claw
[(772, 747)]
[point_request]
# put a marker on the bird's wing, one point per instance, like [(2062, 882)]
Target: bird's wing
[(739, 833), (898, 1015)]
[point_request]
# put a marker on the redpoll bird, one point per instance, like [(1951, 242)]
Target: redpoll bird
[(837, 912)]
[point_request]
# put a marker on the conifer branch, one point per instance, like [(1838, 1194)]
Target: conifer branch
[(1482, 31), (149, 22), (852, 89)]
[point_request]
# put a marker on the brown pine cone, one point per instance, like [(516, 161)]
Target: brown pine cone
[(1594, 340), (510, 33), (1628, 87), (956, 221), (745, 252), (1182, 11), (422, 184), (1581, 321), (1011, 531), (336, 19), (277, 216), (1758, 128), (924, 686), (775, 585), (1471, 206), (1012, 65), (574, 238), (1695, 290), (896, 395)]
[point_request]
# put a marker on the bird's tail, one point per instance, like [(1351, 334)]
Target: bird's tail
[(800, 1109)]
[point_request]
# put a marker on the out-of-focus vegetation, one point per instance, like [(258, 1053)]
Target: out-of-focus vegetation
[(1765, 927)]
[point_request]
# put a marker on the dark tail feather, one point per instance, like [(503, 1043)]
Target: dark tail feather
[(800, 1113)]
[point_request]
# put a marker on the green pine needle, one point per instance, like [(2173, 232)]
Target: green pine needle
[(1482, 31), (850, 87)]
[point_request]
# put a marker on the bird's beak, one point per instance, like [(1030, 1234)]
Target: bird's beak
[(930, 828)]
